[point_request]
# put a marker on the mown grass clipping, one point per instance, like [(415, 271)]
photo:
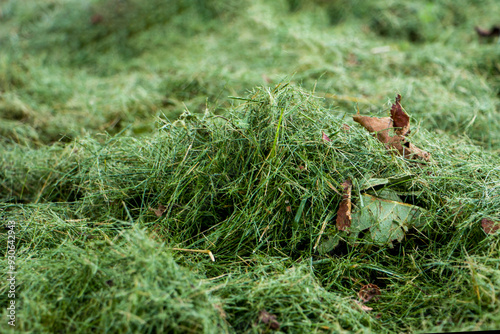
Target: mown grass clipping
[(101, 235)]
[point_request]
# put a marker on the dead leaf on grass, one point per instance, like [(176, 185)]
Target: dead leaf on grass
[(269, 319), (490, 226), (220, 310), (363, 306), (369, 292), (344, 211), (400, 117), (159, 212), (493, 32), (96, 19), (400, 123), (325, 137), (380, 125)]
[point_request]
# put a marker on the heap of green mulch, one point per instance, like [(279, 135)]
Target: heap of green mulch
[(257, 187), (125, 285)]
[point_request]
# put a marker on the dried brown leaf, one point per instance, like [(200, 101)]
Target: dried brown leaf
[(373, 124), (368, 292), (400, 117), (490, 226), (493, 32), (325, 137), (344, 211), (380, 126), (407, 149), (220, 310), (269, 319), (400, 122), (96, 19), (159, 212), (363, 306)]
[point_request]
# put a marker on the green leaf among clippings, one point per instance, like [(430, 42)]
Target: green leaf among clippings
[(329, 243), (387, 220)]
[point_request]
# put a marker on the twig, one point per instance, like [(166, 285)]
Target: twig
[(205, 251)]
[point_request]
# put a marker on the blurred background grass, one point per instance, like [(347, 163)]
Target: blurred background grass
[(69, 68)]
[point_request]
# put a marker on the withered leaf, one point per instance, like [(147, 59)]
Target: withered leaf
[(490, 226), (363, 306), (400, 122), (407, 149), (325, 137), (400, 117), (368, 292), (344, 211), (220, 310), (380, 126), (493, 32), (373, 124), (159, 212), (269, 319), (96, 19)]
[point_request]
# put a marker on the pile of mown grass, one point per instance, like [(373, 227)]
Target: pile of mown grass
[(254, 187)]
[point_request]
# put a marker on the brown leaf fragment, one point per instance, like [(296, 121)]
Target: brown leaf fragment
[(493, 32), (373, 124), (344, 211), (407, 149), (220, 310), (400, 122), (96, 19), (400, 117), (269, 319), (490, 226), (325, 137), (368, 292), (346, 128), (363, 306), (159, 212), (379, 125)]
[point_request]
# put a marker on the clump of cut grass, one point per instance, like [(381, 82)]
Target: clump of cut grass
[(250, 179), (255, 187), (232, 178), (130, 284), (294, 296), (38, 176)]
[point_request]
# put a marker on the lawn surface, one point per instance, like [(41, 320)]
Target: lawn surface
[(141, 140)]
